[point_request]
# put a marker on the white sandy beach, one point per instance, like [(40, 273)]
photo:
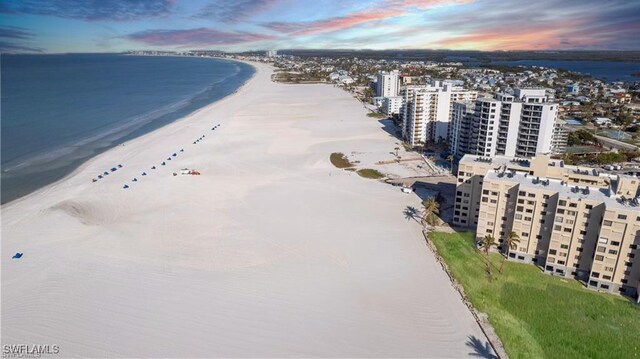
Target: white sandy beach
[(271, 252)]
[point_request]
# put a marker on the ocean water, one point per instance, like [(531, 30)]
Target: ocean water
[(60, 110), (609, 71)]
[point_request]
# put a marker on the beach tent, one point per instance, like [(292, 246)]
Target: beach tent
[(119, 166), (94, 180), (135, 180), (182, 150), (17, 255), (113, 169), (99, 176), (144, 173), (175, 154), (153, 168), (125, 186), (106, 173), (163, 163)]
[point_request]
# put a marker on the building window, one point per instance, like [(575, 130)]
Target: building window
[(607, 223), (562, 203), (599, 258), (622, 216)]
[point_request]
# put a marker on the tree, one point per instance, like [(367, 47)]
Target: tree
[(397, 149), (511, 242), (485, 245), (430, 212), (450, 159)]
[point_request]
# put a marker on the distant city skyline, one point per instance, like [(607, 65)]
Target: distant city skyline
[(177, 25)]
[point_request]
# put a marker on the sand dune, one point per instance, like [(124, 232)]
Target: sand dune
[(271, 252)]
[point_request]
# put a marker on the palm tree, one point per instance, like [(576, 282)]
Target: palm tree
[(430, 212), (485, 245), (450, 159), (511, 242)]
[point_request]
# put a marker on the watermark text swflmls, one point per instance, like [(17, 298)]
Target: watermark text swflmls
[(29, 350)]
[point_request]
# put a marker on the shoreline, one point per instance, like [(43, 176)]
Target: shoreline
[(86, 162), (270, 252)]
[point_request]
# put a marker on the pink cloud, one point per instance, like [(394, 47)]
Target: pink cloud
[(391, 8)]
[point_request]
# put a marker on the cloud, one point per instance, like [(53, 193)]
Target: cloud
[(543, 25), (389, 9), (196, 37), (14, 32), (234, 11), (12, 39), (7, 47), (89, 10)]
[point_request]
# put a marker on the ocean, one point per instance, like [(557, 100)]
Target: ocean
[(60, 110), (609, 71)]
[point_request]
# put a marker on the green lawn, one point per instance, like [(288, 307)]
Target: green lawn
[(540, 316), (377, 115), (370, 173), (340, 160)]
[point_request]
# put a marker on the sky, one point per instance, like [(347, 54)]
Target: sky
[(57, 26)]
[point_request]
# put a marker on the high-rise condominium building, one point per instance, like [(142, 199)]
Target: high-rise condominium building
[(521, 125), (426, 111), (388, 84), (572, 222)]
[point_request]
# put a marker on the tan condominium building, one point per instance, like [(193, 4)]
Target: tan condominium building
[(572, 222)]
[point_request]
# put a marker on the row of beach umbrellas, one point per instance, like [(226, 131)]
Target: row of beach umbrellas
[(169, 158)]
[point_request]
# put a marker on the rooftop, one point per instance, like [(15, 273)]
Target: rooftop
[(565, 190)]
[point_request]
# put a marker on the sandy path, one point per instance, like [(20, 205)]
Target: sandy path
[(270, 252)]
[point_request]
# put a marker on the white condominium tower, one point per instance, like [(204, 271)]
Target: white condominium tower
[(427, 111), (388, 84), (521, 125)]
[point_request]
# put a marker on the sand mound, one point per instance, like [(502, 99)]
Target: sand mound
[(86, 213)]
